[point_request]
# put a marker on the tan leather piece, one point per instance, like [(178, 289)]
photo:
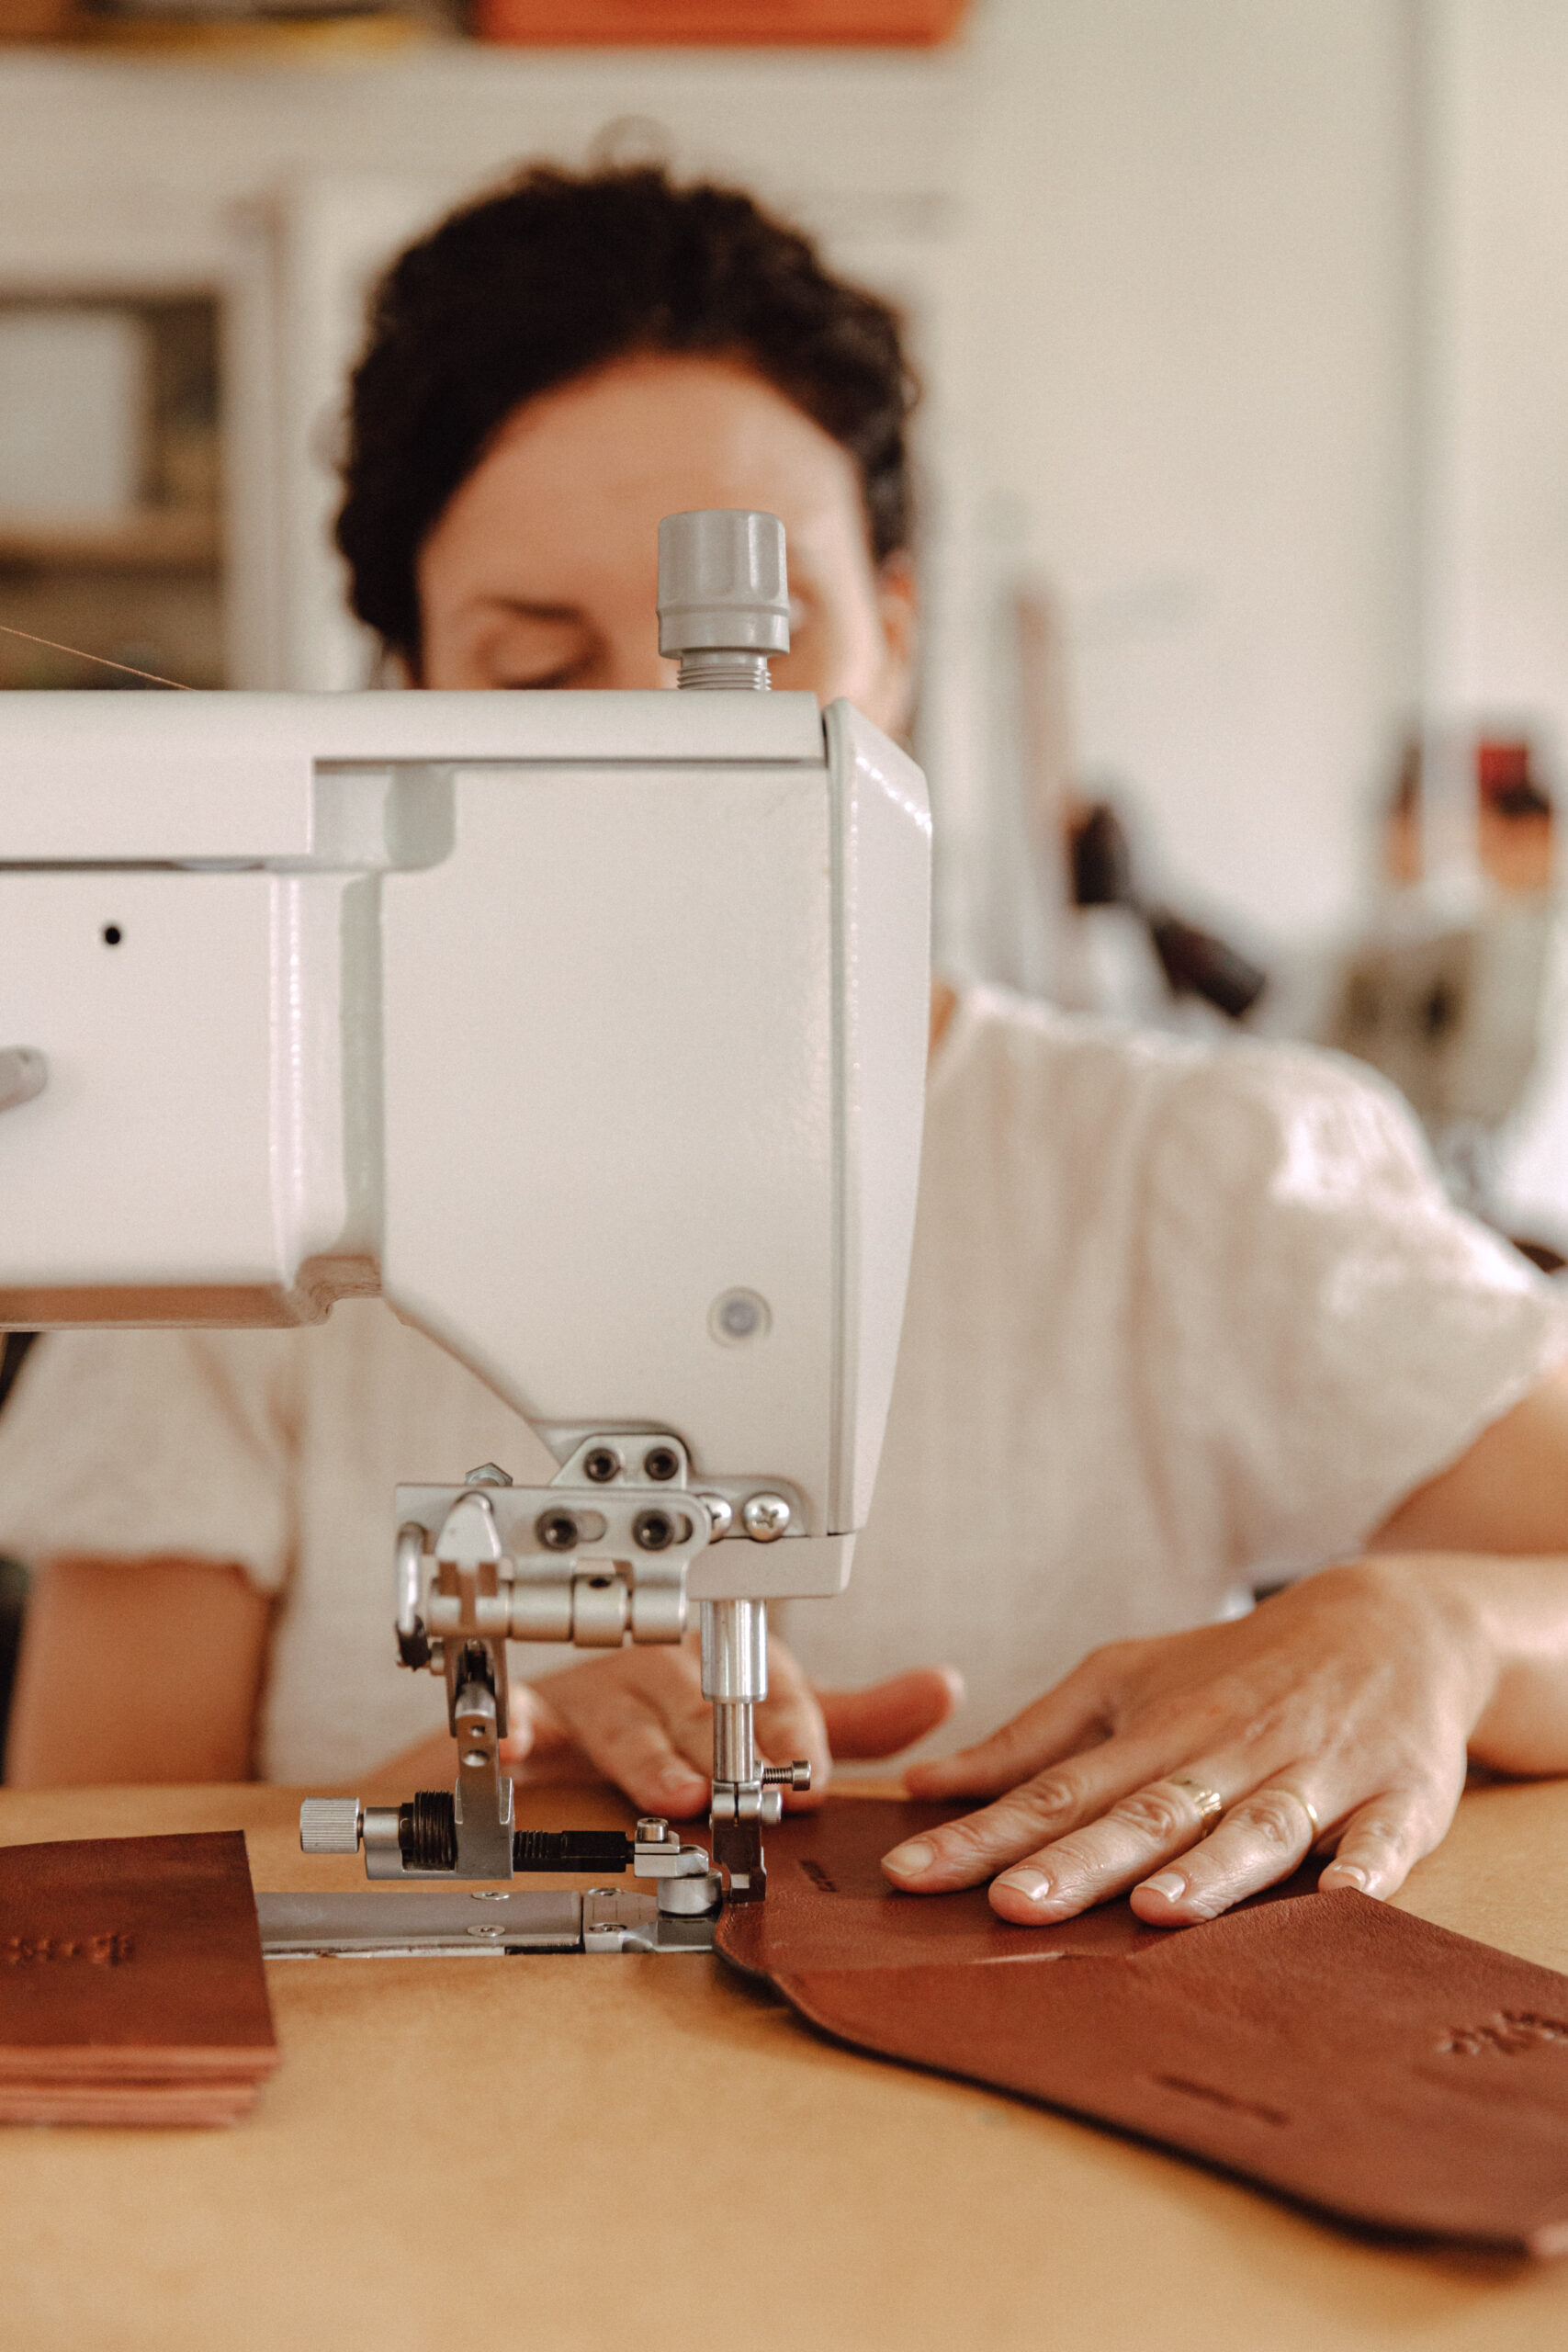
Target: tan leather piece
[(1351, 2056), (131, 1987)]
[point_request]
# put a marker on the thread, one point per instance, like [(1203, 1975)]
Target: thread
[(127, 669)]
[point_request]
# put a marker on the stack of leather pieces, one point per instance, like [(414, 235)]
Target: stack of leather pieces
[(131, 1987), (1325, 2046)]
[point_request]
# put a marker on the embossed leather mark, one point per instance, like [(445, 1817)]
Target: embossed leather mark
[(1508, 2032), (100, 1951)]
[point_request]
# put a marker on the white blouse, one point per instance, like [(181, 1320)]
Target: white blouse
[(1182, 1316)]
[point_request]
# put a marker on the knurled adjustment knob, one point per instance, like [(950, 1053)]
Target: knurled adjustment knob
[(723, 595), (331, 1824)]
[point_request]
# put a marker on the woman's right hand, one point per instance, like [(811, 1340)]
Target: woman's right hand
[(638, 1716)]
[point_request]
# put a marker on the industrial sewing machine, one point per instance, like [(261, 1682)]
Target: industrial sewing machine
[(588, 1028)]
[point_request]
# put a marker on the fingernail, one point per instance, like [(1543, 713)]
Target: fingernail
[(1033, 1886), (1171, 1884), (911, 1860), (1349, 1875)]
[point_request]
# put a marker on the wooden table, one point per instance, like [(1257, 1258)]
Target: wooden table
[(577, 2153)]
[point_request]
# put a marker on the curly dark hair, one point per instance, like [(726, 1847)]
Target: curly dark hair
[(558, 274)]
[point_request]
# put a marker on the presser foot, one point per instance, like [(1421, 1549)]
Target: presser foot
[(741, 1811)]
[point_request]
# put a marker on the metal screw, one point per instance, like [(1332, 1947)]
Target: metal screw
[(787, 1776), (653, 1531), (721, 1515), (660, 1463), (600, 1466), (489, 1473), (652, 1829), (766, 1518), (557, 1530)]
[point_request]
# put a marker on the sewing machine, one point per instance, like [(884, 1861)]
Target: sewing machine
[(588, 1028)]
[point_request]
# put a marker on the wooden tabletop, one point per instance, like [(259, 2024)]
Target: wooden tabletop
[(577, 2154)]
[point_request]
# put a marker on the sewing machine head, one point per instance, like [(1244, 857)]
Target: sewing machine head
[(590, 1029)]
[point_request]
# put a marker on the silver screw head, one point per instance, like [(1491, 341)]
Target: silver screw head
[(766, 1518), (721, 1515), (489, 1473)]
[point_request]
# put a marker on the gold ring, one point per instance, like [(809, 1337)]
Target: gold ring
[(1308, 1807), (1209, 1803)]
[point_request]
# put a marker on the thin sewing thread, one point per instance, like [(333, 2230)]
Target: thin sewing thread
[(102, 660)]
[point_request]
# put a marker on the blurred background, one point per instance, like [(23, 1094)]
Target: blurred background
[(1245, 450)]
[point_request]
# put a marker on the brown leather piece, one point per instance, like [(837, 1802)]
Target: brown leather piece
[(131, 1985), (1324, 2046)]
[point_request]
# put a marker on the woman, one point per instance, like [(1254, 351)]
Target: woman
[(1179, 1316)]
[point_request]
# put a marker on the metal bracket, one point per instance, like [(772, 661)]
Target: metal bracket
[(465, 1927)]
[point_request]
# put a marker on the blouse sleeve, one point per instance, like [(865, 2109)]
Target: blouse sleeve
[(144, 1444), (1325, 1332)]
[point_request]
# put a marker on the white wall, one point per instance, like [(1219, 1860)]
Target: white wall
[(1191, 239), (1504, 461)]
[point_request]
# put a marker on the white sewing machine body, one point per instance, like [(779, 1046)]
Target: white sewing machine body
[(588, 1028), (585, 1027)]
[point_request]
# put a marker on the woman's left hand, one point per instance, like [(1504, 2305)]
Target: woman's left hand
[(1336, 1715)]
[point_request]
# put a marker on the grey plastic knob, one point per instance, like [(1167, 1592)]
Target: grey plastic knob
[(722, 583), (331, 1824)]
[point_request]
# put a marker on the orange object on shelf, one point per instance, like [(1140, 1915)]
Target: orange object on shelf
[(719, 24), (35, 19)]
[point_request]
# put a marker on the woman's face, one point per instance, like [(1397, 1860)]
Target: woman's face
[(543, 568)]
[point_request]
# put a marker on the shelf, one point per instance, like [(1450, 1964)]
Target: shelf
[(158, 539)]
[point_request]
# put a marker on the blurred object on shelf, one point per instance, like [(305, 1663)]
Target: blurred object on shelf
[(1512, 815), (719, 24), (35, 19), (270, 31), (1023, 896), (1455, 991), (1451, 1012), (74, 402), (110, 490), (1063, 914), (1191, 962), (156, 539)]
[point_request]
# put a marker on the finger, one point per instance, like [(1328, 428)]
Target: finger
[(1066, 1719), (1383, 1840), (890, 1715), (1038, 1812), (630, 1743), (521, 1727), (1263, 1838), (534, 1728), (1106, 1856)]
